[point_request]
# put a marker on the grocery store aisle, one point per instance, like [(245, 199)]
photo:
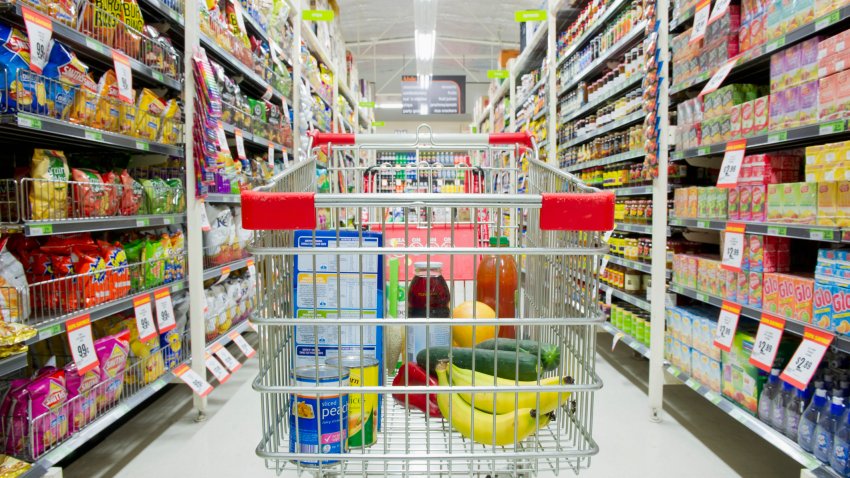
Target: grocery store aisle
[(163, 437)]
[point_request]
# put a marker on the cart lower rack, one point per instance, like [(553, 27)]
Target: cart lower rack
[(464, 256)]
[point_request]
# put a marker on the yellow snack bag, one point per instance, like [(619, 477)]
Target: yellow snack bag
[(149, 115), (48, 194), (169, 132), (127, 117), (107, 113), (85, 103)]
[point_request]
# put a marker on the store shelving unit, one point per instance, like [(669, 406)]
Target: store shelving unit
[(625, 297), (794, 231), (624, 338)]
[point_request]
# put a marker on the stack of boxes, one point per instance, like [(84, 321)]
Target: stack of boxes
[(689, 343), (632, 321), (753, 23), (834, 102), (719, 44), (829, 166), (748, 200), (832, 290), (789, 295), (793, 86), (741, 381)]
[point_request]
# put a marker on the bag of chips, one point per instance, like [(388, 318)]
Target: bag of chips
[(90, 195), (112, 352), (114, 192), (149, 115), (177, 200), (47, 398), (134, 251), (169, 132), (155, 262), (82, 395), (118, 271), (15, 61), (178, 246), (157, 196), (92, 284), (85, 103), (132, 195), (14, 294), (107, 114), (68, 74), (48, 193)]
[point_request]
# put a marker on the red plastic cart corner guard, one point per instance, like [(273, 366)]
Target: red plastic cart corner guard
[(523, 138), (278, 211), (319, 138), (577, 211)]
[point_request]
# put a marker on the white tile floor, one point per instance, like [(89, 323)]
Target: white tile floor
[(164, 438)]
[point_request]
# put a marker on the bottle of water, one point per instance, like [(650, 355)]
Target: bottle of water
[(777, 411), (839, 460), (794, 408), (825, 431), (768, 395), (809, 420)]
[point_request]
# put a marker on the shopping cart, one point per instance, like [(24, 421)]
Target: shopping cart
[(326, 289)]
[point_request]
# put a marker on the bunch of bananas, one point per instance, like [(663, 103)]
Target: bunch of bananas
[(517, 414)]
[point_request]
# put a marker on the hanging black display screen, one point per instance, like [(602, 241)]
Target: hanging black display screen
[(445, 95)]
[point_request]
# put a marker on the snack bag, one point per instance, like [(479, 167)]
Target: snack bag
[(127, 116), (90, 196), (85, 103), (178, 246), (112, 352), (131, 14), (69, 73), (168, 254), (132, 195), (169, 132), (59, 295), (48, 396), (145, 351), (82, 395), (92, 269), (155, 260), (15, 61), (102, 22), (171, 342), (48, 194), (118, 270), (151, 108), (156, 196), (113, 189), (107, 113), (14, 300), (13, 414), (135, 251), (177, 201)]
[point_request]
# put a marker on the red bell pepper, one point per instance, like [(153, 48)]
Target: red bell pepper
[(412, 374)]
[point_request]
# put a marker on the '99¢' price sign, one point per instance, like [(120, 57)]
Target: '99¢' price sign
[(81, 343)]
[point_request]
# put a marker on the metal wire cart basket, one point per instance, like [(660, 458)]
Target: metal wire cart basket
[(358, 378)]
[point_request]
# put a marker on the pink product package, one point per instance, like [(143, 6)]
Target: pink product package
[(758, 197), (731, 283), (744, 203), (755, 289), (808, 103), (82, 399), (743, 287), (112, 352), (46, 396), (14, 416), (732, 208)]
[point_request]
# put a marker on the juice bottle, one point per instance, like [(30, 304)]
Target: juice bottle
[(499, 271), (427, 296)]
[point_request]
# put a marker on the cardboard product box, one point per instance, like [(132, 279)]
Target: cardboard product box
[(693, 202), (843, 213), (713, 375), (791, 204), (668, 347), (809, 60), (841, 307), (791, 75), (777, 71), (808, 203), (785, 297), (745, 204), (808, 103), (743, 287), (756, 252), (747, 119), (774, 209), (791, 118), (761, 114), (732, 208), (822, 304), (758, 195), (770, 293), (803, 294), (735, 122), (827, 207), (742, 382), (731, 281), (756, 289)]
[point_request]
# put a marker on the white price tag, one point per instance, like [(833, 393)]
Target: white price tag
[(164, 310), (718, 77), (243, 344), (271, 155), (700, 21), (144, 317), (733, 247), (730, 169), (81, 343), (609, 292), (215, 367), (222, 139), (226, 357), (268, 94), (39, 32), (727, 322), (806, 359), (225, 273), (123, 76), (718, 10), (198, 385), (767, 342), (205, 221), (240, 144)]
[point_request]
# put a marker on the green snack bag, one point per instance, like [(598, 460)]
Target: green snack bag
[(177, 200), (134, 251), (156, 196), (154, 256)]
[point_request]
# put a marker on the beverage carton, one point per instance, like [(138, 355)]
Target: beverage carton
[(843, 201), (732, 204), (822, 304), (808, 103), (693, 201), (735, 121), (758, 198), (756, 252), (841, 308), (774, 211), (808, 203), (747, 119), (770, 293), (761, 114), (731, 282), (743, 287), (803, 293), (756, 289), (785, 297), (827, 206), (791, 202), (691, 278), (745, 203)]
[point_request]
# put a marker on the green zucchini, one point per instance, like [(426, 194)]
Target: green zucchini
[(550, 355), (500, 363)]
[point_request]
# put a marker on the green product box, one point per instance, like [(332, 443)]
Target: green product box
[(741, 381)]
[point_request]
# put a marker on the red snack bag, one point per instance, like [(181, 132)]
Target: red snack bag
[(89, 199), (117, 269), (131, 195), (62, 294), (63, 244), (112, 186), (91, 285)]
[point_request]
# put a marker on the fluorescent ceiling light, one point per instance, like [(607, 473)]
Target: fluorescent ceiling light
[(389, 106), (425, 45), (425, 81), (425, 35)]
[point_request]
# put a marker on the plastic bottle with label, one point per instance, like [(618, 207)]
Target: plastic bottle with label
[(794, 409), (825, 431), (809, 420), (839, 460), (777, 412), (768, 395)]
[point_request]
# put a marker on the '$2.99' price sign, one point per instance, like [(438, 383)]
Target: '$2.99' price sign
[(733, 247), (727, 322), (81, 343), (767, 342), (806, 359)]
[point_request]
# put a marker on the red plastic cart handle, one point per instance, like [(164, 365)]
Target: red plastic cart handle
[(577, 211), (319, 138), (523, 138), (278, 211)]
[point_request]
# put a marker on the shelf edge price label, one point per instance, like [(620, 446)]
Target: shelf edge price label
[(767, 341), (240, 144), (81, 343), (530, 16), (498, 74), (198, 385), (733, 247), (718, 77), (225, 273), (205, 220), (719, 9), (215, 367), (164, 310), (243, 344), (730, 169), (222, 139), (317, 15), (123, 76), (806, 359), (39, 32), (226, 357), (727, 322), (144, 317), (700, 21)]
